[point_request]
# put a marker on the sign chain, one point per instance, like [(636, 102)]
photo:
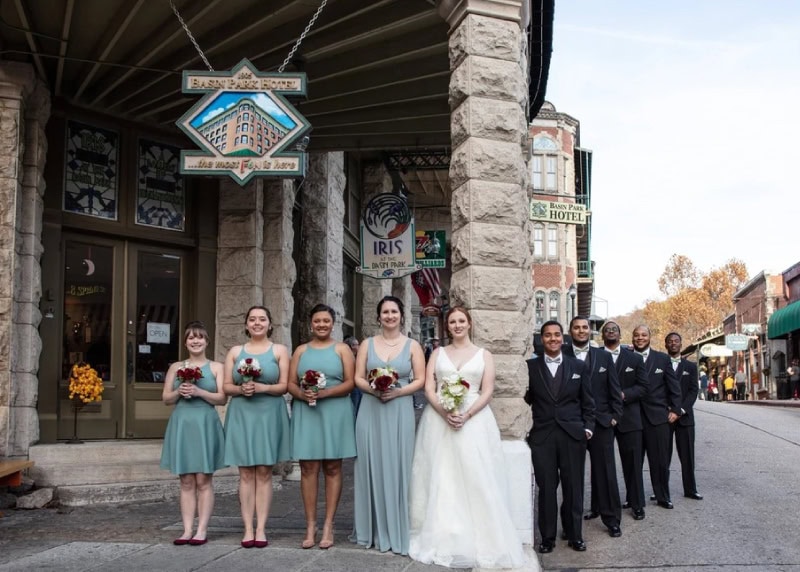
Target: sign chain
[(301, 38), (191, 37)]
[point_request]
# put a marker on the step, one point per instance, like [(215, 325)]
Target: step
[(97, 452), (157, 490)]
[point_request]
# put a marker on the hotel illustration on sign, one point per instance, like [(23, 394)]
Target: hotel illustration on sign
[(566, 213)]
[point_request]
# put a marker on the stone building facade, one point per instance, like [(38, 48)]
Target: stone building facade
[(105, 288)]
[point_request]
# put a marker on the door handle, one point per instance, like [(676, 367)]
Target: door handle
[(129, 361)]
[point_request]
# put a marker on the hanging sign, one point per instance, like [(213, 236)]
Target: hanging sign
[(388, 242), (430, 248), (244, 124), (552, 211)]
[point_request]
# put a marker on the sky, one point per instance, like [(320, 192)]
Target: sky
[(691, 109), (228, 99)]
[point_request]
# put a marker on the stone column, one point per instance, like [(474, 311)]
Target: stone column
[(24, 110), (279, 268), (240, 260), (320, 272), (490, 257), (376, 180)]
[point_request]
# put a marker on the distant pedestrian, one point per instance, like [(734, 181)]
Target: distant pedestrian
[(703, 383), (793, 373), (713, 391), (741, 384), (728, 385)]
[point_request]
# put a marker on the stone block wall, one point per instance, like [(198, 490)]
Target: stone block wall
[(24, 111)]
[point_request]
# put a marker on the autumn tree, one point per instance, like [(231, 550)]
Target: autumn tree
[(694, 303)]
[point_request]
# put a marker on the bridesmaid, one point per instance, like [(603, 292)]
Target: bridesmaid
[(193, 442), (323, 434), (257, 421), (385, 433)]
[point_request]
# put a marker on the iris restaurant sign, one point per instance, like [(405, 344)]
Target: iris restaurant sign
[(388, 242), (565, 213), (244, 124)]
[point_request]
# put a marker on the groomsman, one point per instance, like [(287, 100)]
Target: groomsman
[(608, 410), (683, 429), (634, 384), (560, 396), (660, 408)]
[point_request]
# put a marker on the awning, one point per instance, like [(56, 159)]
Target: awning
[(784, 321)]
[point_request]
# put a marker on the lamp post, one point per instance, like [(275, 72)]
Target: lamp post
[(573, 293)]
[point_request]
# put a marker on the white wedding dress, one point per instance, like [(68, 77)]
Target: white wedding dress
[(459, 508)]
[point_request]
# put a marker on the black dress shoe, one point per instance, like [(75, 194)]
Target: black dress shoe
[(590, 515), (546, 546), (665, 504), (638, 514), (577, 545), (614, 531), (695, 496), (652, 497), (626, 504)]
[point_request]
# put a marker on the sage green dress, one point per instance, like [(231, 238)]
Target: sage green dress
[(257, 427), (194, 441), (385, 445), (327, 430)]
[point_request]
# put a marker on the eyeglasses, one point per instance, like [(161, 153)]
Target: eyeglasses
[(610, 329)]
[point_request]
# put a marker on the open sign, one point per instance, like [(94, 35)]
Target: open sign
[(157, 333)]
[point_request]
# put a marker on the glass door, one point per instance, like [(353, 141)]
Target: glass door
[(91, 324), (154, 337)]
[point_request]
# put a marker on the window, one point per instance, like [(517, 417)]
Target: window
[(552, 167), (538, 240), (260, 150), (245, 127), (245, 116), (552, 241), (539, 309), (236, 141), (245, 139), (238, 128), (544, 169), (554, 302)]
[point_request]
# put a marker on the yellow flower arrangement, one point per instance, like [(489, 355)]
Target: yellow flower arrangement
[(85, 386)]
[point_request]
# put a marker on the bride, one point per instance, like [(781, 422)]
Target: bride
[(459, 509)]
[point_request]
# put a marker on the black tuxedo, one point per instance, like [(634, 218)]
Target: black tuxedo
[(608, 411), (663, 397), (683, 429), (563, 410), (635, 384)]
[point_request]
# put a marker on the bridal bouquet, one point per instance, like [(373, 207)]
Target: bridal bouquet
[(313, 380), (249, 369), (189, 374), (452, 392), (382, 378)]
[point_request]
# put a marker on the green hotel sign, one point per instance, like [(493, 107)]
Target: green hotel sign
[(244, 124)]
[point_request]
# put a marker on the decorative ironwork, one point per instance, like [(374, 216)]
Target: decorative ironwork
[(403, 161)]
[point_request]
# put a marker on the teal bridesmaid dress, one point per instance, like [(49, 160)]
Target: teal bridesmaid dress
[(194, 441), (257, 427), (385, 445), (326, 431)]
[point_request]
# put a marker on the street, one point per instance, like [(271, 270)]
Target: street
[(748, 459), (748, 469)]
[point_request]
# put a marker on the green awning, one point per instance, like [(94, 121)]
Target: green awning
[(784, 321)]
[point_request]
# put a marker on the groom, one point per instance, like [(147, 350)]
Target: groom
[(560, 396)]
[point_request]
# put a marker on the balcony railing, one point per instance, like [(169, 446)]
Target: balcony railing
[(585, 269)]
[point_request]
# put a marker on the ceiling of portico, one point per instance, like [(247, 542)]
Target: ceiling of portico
[(378, 70)]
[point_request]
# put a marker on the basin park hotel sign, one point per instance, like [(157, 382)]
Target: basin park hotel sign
[(244, 124)]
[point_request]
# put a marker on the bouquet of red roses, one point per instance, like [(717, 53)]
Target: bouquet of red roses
[(382, 378), (189, 374), (249, 369), (313, 380)]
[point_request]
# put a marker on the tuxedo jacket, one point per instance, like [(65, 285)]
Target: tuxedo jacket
[(635, 385), (687, 377), (572, 409), (665, 392), (604, 382)]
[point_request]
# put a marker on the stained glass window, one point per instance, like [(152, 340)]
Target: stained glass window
[(90, 172), (161, 200)]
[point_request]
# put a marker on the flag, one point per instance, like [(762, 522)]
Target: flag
[(421, 288), (431, 278)]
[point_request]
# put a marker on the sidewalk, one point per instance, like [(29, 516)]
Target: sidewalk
[(138, 536)]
